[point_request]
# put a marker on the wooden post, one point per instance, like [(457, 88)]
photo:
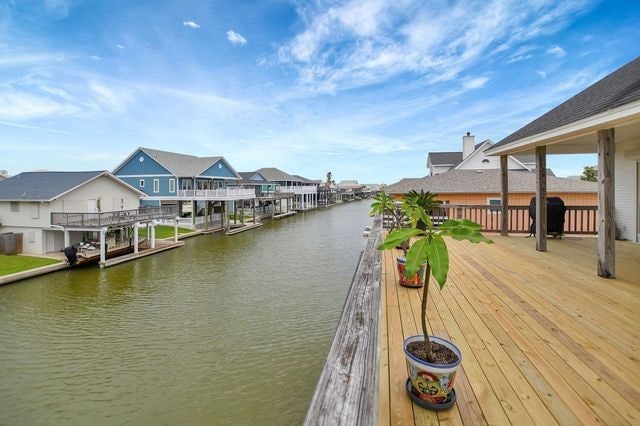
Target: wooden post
[(175, 230), (541, 198), (504, 195), (136, 237), (153, 234), (206, 215), (242, 212), (103, 248), (194, 206), (606, 203)]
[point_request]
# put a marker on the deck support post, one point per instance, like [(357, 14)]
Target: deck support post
[(504, 195), (103, 248), (606, 203), (67, 239), (254, 211), (228, 221), (153, 234), (242, 212), (136, 237), (175, 230), (206, 215), (541, 198), (194, 205)]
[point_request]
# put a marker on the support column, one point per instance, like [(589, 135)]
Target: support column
[(153, 234), (175, 230), (606, 204), (67, 239), (242, 212), (136, 238), (504, 195), (255, 219), (228, 221), (103, 244), (206, 215), (541, 198), (194, 205)]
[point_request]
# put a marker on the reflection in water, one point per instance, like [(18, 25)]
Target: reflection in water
[(226, 330)]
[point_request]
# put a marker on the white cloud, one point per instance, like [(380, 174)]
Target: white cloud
[(190, 24), (557, 51), (119, 46), (236, 38), (16, 105), (542, 74), (96, 57), (364, 42), (475, 83)]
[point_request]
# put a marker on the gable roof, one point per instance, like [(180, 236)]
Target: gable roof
[(616, 89), (276, 175), (454, 159), (247, 177), (306, 180), (181, 165), (47, 186), (488, 180)]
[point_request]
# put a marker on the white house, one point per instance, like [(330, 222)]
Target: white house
[(474, 157), (603, 118), (30, 201)]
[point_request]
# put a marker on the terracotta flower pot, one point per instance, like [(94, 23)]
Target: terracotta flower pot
[(415, 281)]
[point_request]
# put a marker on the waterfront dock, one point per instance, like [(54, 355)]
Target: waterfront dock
[(543, 339)]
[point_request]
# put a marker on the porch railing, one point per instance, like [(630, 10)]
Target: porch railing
[(577, 220), (299, 189), (113, 218), (222, 194)]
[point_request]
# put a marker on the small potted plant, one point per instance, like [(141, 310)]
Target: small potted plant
[(400, 215), (433, 360)]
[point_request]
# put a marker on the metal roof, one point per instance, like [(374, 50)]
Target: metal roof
[(44, 186), (487, 180), (616, 89)]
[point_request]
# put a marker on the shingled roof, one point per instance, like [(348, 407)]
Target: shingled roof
[(47, 186), (182, 165), (618, 88), (454, 158), (276, 175), (481, 181)]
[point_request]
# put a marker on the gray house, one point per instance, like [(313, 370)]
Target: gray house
[(36, 204)]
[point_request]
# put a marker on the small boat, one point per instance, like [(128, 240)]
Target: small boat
[(367, 231)]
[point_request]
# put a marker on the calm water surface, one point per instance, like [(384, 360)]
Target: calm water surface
[(226, 330)]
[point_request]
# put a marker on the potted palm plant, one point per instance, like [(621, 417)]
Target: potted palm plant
[(433, 361), (400, 215)]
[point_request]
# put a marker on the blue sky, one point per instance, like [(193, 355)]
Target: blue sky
[(364, 89)]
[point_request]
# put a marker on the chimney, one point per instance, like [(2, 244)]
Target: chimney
[(468, 145)]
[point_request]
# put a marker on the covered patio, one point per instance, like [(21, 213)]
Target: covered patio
[(543, 340), (604, 119)]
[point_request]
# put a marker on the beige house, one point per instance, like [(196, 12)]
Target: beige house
[(30, 201)]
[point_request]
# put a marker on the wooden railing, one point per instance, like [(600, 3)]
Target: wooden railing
[(111, 218), (347, 391), (218, 194), (577, 219)]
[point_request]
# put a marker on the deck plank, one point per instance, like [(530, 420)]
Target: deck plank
[(543, 338)]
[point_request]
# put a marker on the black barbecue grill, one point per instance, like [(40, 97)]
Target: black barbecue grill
[(555, 216)]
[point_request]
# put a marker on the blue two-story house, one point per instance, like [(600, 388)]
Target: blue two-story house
[(207, 183)]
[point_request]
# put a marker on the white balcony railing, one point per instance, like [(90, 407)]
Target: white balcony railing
[(218, 194), (298, 190)]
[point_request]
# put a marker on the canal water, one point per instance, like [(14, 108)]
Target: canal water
[(225, 330)]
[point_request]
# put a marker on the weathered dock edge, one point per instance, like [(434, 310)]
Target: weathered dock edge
[(348, 389)]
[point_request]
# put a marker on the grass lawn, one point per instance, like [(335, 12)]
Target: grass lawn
[(12, 263), (164, 231)]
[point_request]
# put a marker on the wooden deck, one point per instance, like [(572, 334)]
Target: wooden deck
[(544, 340)]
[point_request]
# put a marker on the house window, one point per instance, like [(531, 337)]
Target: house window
[(141, 183), (494, 202), (15, 206), (35, 210), (172, 185), (156, 185)]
